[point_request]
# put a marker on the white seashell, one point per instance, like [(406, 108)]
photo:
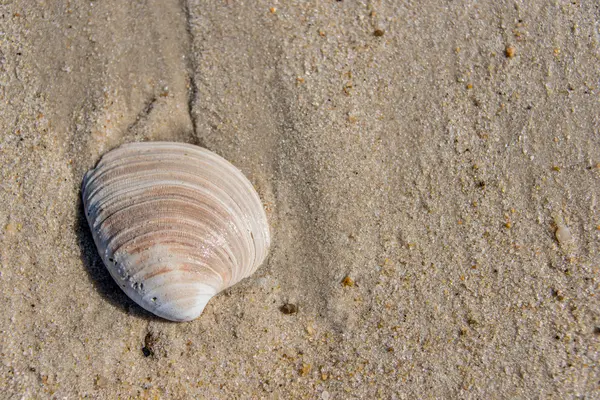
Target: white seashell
[(175, 224)]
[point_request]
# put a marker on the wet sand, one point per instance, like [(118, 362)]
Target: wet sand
[(444, 157)]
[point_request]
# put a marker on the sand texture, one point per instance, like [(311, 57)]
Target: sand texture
[(430, 169)]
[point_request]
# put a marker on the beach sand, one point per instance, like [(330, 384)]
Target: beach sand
[(430, 169)]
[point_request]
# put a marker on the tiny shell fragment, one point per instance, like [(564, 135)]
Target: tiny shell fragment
[(563, 234)]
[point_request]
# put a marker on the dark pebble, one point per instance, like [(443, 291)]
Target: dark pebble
[(289, 308), (146, 351)]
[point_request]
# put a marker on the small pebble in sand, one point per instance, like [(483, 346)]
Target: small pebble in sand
[(510, 51), (563, 234), (151, 345), (379, 32), (305, 370), (147, 350), (347, 281), (557, 294), (310, 330), (289, 308)]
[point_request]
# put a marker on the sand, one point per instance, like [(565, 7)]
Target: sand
[(443, 156)]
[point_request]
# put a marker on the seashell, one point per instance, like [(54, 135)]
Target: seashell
[(175, 224)]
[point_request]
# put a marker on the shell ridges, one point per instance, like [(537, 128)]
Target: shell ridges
[(175, 224)]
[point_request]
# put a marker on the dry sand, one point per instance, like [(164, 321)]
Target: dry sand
[(429, 150)]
